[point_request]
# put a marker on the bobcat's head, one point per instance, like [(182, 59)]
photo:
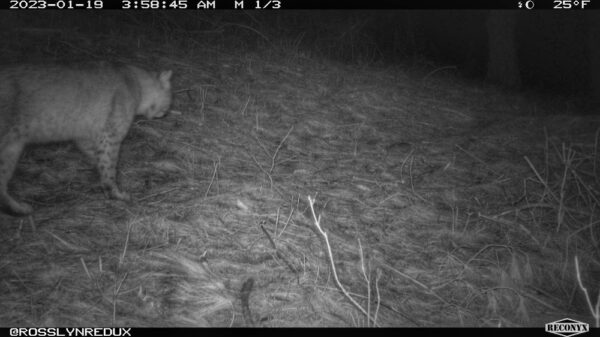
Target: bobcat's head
[(156, 95)]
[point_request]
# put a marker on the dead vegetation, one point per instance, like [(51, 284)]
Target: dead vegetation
[(443, 204)]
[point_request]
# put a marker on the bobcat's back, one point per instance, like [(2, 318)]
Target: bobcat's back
[(60, 102)]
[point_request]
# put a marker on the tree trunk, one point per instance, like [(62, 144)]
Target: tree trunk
[(593, 21), (503, 65)]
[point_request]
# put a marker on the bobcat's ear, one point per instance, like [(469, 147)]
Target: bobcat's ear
[(165, 77)]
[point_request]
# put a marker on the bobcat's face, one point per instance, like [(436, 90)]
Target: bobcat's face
[(157, 97)]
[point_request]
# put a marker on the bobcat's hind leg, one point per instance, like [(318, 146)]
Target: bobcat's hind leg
[(10, 151)]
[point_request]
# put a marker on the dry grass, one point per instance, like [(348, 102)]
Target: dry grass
[(444, 204)]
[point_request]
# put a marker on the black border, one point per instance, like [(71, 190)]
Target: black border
[(345, 332), (352, 4)]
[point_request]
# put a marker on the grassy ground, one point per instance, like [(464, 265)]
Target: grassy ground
[(445, 203)]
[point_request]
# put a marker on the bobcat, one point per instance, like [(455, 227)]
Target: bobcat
[(92, 104)]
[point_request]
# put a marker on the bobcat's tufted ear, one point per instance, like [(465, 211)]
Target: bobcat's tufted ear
[(165, 78)]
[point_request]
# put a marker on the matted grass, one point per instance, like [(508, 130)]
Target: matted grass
[(469, 204)]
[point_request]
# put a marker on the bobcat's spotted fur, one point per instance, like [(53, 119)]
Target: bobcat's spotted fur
[(92, 104)]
